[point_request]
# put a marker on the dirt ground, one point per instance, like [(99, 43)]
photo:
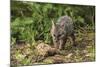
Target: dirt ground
[(25, 54)]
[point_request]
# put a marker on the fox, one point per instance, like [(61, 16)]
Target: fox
[(61, 30)]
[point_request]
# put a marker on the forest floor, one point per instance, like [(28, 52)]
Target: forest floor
[(25, 54)]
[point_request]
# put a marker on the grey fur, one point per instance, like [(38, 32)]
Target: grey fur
[(61, 30)]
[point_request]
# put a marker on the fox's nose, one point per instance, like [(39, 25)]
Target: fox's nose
[(56, 41)]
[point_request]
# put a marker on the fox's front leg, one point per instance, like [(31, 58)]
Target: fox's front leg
[(62, 44), (56, 45)]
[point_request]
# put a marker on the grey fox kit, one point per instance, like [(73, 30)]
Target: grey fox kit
[(61, 30)]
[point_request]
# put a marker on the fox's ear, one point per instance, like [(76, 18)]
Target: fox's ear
[(53, 24), (52, 28)]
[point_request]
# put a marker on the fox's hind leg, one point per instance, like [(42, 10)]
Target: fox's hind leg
[(73, 39)]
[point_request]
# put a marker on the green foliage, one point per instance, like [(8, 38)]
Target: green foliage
[(32, 21)]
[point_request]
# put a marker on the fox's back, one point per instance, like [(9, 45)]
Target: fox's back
[(66, 23)]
